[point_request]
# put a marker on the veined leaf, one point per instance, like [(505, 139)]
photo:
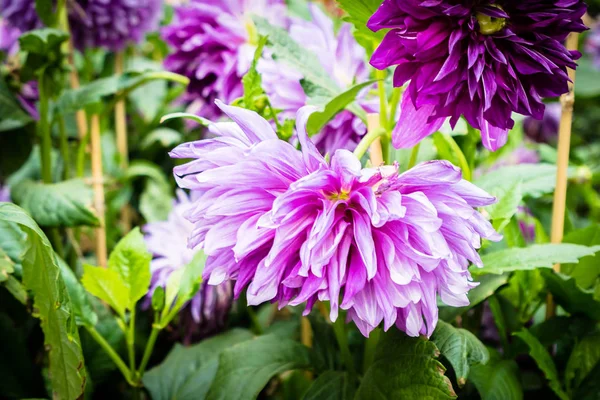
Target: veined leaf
[(533, 257), (359, 13), (497, 380), (584, 358), (570, 296), (544, 362), (187, 372), (247, 367), (587, 271), (331, 385), (507, 206), (67, 203), (82, 306), (42, 276), (405, 368), (107, 285), (461, 348)]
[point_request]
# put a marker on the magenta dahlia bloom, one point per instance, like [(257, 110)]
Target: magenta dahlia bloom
[(112, 24), (167, 241), (546, 129), (482, 59), (592, 45), (294, 228), (213, 44), (342, 57)]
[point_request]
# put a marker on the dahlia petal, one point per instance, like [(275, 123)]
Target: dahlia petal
[(414, 124)]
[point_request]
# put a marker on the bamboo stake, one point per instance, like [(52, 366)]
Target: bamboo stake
[(122, 146), (375, 151), (98, 185), (564, 145)]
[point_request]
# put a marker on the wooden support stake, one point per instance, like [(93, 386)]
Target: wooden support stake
[(98, 185), (375, 151), (564, 145), (122, 145)]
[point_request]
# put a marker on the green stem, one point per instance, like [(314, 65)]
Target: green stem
[(111, 353), (148, 351), (462, 160), (366, 141), (254, 320), (381, 75), (370, 346), (394, 102), (44, 133), (131, 339), (414, 155), (339, 328), (81, 155), (64, 147)]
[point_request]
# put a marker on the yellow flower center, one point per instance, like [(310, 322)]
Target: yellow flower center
[(490, 25), (342, 195)]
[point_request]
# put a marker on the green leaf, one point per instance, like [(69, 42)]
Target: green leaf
[(67, 203), (359, 13), (81, 303), (42, 41), (588, 84), (107, 285), (298, 8), (119, 85), (497, 380), (461, 348), (587, 271), (544, 361), (187, 372), (13, 116), (165, 137), (252, 80), (246, 368), (288, 51), (319, 119), (488, 284), (130, 259), (507, 205), (41, 276), (201, 121), (150, 98), (536, 179), (32, 168), (156, 201), (331, 385), (182, 285), (570, 296), (405, 368), (7, 268), (45, 11), (533, 257), (584, 358)]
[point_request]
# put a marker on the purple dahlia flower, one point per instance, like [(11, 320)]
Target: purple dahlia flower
[(4, 194), (94, 23), (546, 129), (526, 224), (167, 240), (9, 38), (213, 45), (592, 45), (342, 57), (482, 59), (294, 228)]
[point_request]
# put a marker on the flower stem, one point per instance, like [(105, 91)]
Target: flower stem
[(44, 132), (339, 328), (564, 146), (366, 141), (148, 351), (381, 75), (414, 155), (111, 353), (254, 321), (394, 102), (64, 147), (375, 150), (370, 346), (131, 339)]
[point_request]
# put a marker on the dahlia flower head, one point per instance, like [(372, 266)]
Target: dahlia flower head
[(592, 45), (546, 129), (112, 24), (482, 59), (9, 38), (167, 241), (342, 57), (293, 228), (212, 43)]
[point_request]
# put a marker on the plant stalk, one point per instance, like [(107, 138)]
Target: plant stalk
[(383, 119), (375, 149), (98, 185), (131, 339), (44, 132), (339, 328), (148, 351), (414, 156), (122, 140), (111, 353), (564, 145)]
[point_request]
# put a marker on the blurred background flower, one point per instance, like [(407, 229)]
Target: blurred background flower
[(4, 194), (546, 129), (207, 312)]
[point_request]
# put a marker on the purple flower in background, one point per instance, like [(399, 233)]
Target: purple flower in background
[(521, 155), (28, 95), (546, 130), (4, 194), (167, 241), (592, 45), (526, 224), (213, 45), (9, 38), (342, 57), (112, 24), (482, 59), (294, 228)]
